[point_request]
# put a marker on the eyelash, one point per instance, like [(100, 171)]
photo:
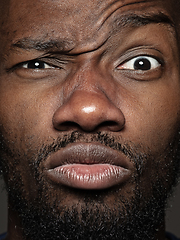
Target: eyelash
[(146, 63), (37, 63)]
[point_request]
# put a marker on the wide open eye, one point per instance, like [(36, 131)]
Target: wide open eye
[(143, 63), (36, 65)]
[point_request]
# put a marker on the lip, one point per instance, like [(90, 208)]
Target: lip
[(89, 166)]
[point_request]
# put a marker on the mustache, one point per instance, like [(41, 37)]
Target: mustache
[(134, 153)]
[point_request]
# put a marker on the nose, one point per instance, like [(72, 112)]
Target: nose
[(88, 111)]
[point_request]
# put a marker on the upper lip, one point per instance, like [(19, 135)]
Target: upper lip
[(87, 153)]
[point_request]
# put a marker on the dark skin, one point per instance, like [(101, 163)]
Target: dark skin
[(87, 84)]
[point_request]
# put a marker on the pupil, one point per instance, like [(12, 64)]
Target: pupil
[(142, 64), (36, 65)]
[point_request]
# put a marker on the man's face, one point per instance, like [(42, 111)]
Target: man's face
[(89, 109)]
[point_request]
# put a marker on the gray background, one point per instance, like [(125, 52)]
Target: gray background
[(172, 218)]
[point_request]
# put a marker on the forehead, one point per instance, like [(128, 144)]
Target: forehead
[(73, 20)]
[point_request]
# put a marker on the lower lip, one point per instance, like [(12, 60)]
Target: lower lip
[(89, 177)]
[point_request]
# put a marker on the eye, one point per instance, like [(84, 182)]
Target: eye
[(142, 63), (36, 65)]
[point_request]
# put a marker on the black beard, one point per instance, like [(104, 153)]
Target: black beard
[(95, 221), (136, 218)]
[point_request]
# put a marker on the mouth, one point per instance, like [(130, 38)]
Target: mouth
[(88, 166)]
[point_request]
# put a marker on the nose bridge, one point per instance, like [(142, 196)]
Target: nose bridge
[(88, 77), (88, 104), (89, 88)]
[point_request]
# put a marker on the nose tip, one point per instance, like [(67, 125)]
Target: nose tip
[(89, 112)]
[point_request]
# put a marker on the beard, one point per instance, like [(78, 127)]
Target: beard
[(134, 212)]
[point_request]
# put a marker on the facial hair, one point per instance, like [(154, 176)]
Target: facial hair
[(137, 217)]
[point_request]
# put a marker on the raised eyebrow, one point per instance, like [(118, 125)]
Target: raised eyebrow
[(138, 20)]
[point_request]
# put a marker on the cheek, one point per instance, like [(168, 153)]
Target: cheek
[(153, 117), (26, 118)]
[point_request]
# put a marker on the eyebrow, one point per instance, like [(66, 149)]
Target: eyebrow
[(65, 45), (42, 44), (134, 20)]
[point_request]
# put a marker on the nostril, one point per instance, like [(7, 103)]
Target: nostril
[(68, 125), (111, 125)]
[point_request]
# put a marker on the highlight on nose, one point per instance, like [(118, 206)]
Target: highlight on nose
[(89, 112), (89, 109)]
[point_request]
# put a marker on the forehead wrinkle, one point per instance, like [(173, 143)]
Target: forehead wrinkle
[(66, 45), (97, 36), (112, 8), (119, 21), (132, 21)]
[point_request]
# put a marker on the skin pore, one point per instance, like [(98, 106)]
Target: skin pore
[(102, 74)]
